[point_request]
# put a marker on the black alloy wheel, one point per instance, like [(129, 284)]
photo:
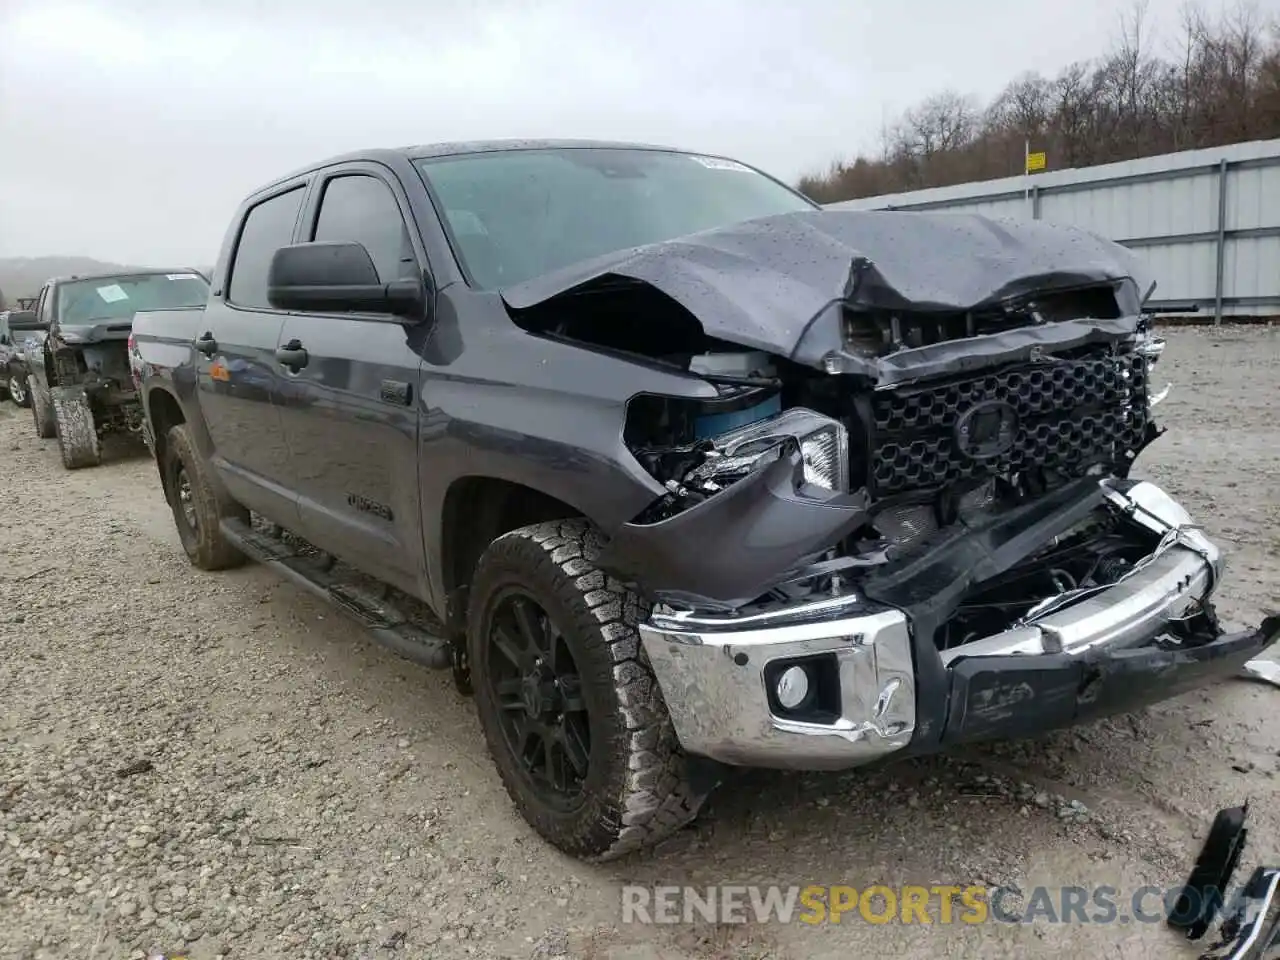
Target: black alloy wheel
[(572, 714), (535, 681), (186, 499)]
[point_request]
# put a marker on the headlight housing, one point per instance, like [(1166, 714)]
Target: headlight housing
[(824, 446)]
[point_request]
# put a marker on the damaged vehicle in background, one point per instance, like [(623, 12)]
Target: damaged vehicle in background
[(19, 331), (692, 472), (79, 382)]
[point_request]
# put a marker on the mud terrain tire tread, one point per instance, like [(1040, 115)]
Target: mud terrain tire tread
[(646, 795), (206, 547), (77, 434), (42, 412)]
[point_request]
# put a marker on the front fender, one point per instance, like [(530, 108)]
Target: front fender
[(733, 547), (33, 357)]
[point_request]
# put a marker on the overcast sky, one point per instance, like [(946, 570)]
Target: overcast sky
[(129, 129)]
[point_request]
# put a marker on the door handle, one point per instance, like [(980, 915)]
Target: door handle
[(293, 355), (206, 344)]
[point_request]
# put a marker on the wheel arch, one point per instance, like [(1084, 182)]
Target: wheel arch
[(164, 412), (477, 510)]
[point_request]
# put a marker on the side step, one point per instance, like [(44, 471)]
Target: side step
[(388, 625)]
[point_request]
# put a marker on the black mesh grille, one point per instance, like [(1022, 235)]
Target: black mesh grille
[(1070, 415)]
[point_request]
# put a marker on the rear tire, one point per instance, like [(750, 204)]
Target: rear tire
[(197, 505), (42, 412), (77, 433), (573, 716)]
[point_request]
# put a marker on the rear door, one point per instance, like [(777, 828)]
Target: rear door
[(350, 415), (237, 377)]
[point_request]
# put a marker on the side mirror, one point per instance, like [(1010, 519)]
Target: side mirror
[(338, 278)]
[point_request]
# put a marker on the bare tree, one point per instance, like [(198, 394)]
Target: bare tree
[(1221, 84)]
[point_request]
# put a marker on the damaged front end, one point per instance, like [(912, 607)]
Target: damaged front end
[(1092, 600), (906, 521), (95, 359)]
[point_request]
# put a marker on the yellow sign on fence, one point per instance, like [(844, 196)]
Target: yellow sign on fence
[(1035, 161)]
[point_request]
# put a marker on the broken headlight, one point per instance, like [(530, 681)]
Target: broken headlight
[(824, 446), (1150, 346)]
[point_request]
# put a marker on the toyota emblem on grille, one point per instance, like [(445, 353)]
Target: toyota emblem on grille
[(986, 430)]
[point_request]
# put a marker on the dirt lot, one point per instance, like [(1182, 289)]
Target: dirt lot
[(219, 765)]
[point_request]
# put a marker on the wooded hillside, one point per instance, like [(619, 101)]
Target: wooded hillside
[(1218, 82)]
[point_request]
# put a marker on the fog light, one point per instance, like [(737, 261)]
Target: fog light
[(793, 687)]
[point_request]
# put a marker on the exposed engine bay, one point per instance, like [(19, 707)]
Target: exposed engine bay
[(923, 459), (101, 368), (869, 412), (887, 502)]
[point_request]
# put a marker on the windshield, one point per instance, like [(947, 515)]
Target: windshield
[(83, 303), (517, 214)]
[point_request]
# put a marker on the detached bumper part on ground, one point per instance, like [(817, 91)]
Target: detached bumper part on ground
[(1250, 929), (1252, 932), (836, 683)]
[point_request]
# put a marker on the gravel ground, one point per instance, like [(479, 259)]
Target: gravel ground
[(217, 765)]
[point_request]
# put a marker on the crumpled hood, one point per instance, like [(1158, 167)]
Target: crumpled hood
[(98, 332), (778, 283)]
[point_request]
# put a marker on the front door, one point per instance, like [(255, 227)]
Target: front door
[(349, 406), (237, 375)]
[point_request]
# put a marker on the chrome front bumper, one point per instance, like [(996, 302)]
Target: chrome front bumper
[(712, 673), (713, 669), (1170, 584)]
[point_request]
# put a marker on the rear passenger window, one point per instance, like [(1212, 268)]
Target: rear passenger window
[(267, 228), (364, 210)]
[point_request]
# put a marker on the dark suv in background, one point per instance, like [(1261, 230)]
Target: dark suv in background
[(81, 388), (19, 331)]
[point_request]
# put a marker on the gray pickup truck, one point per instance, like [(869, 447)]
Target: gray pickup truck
[(680, 472), (78, 376)]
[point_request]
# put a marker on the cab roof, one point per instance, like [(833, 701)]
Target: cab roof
[(431, 151)]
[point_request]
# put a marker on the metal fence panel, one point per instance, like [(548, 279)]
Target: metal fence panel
[(1207, 221)]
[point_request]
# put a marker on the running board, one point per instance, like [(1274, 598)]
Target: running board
[(383, 620)]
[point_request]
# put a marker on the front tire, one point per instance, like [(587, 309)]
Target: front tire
[(573, 716), (197, 505), (18, 392), (42, 412), (77, 433)]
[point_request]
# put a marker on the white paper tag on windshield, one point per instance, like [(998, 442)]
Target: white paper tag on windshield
[(720, 163), (112, 292), (182, 276)]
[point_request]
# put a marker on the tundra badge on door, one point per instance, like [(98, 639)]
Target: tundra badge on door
[(365, 505)]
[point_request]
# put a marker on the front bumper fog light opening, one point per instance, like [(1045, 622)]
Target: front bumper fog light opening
[(805, 689), (793, 687)]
